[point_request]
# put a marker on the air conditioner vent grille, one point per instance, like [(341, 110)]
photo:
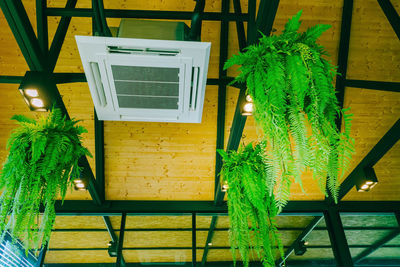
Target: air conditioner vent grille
[(146, 88), (147, 102), (137, 73)]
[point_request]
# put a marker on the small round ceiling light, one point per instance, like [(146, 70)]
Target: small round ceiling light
[(31, 92), (37, 102)]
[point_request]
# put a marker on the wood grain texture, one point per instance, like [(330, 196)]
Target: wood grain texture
[(94, 256), (374, 47), (79, 222), (375, 112)]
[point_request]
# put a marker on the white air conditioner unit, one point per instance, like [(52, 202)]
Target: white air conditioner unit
[(145, 80)]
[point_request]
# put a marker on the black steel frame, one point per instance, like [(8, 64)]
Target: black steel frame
[(40, 57)]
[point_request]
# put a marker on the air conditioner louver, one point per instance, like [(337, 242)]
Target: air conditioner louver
[(145, 80)]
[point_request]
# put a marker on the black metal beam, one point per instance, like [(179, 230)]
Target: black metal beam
[(381, 242), (42, 27), (42, 256), (239, 26), (132, 207), (21, 27), (85, 207), (251, 24), (223, 55), (112, 234), (121, 241), (59, 37), (210, 235), (391, 15), (194, 246), (343, 58), (266, 16), (144, 14), (376, 153), (110, 229), (374, 85), (99, 156), (337, 236), (310, 227), (343, 55), (11, 79)]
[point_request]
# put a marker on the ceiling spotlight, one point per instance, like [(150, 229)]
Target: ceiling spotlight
[(36, 90), (367, 180), (112, 249), (248, 106), (300, 248), (37, 103), (31, 92), (225, 186), (248, 98), (79, 184)]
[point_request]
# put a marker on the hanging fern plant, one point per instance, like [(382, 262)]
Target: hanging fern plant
[(250, 206), (42, 163), (291, 84)]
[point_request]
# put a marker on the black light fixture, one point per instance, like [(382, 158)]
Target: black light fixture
[(367, 181), (112, 249), (248, 106), (80, 183), (224, 186), (34, 90), (300, 248)]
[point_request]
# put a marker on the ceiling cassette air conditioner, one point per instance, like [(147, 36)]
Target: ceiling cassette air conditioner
[(145, 80)]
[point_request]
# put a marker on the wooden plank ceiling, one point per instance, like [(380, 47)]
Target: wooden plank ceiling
[(167, 161)]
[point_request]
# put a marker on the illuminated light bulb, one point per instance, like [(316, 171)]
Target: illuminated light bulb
[(78, 181), (306, 243), (248, 107), (365, 186), (31, 92), (248, 98), (80, 185), (210, 244), (369, 182), (37, 102), (225, 187)]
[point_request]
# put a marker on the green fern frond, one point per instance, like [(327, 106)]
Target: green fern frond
[(295, 105), (250, 206), (42, 154), (294, 23)]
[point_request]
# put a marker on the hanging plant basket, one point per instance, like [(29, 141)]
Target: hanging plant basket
[(251, 207), (291, 84), (41, 165)]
